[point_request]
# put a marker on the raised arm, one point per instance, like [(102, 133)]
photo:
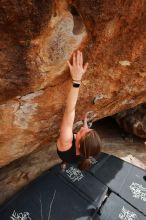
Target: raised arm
[(77, 70)]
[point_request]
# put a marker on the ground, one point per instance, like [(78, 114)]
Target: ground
[(117, 142)]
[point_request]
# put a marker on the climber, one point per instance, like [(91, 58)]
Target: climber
[(86, 143)]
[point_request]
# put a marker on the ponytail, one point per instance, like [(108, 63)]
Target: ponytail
[(84, 164), (90, 145)]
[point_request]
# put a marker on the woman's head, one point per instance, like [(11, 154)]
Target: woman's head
[(90, 145)]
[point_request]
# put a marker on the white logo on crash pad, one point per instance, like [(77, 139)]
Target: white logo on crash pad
[(93, 160), (20, 216), (127, 215), (74, 174), (138, 191)]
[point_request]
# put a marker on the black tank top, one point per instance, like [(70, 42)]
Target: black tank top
[(69, 155)]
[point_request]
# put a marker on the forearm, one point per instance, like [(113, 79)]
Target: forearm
[(85, 122), (76, 70), (72, 99)]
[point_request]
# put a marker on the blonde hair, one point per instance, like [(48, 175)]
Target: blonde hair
[(90, 145)]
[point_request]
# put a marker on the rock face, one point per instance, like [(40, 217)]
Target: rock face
[(37, 37), (133, 120)]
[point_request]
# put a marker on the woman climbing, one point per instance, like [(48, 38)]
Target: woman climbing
[(76, 147)]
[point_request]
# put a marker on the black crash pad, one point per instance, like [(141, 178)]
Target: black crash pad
[(84, 184), (47, 198), (75, 195), (124, 179), (116, 208)]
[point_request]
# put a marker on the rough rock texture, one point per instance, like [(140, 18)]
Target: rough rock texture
[(36, 39), (21, 172), (133, 120)]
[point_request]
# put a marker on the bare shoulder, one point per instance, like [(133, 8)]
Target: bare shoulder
[(64, 145)]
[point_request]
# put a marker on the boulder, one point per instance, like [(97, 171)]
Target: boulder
[(133, 120)]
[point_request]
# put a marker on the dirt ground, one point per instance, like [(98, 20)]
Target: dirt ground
[(117, 142)]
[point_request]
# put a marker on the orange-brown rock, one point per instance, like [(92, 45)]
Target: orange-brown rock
[(37, 37)]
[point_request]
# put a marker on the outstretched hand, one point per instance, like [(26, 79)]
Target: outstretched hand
[(88, 118), (77, 69)]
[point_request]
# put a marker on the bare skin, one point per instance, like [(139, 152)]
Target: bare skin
[(64, 142)]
